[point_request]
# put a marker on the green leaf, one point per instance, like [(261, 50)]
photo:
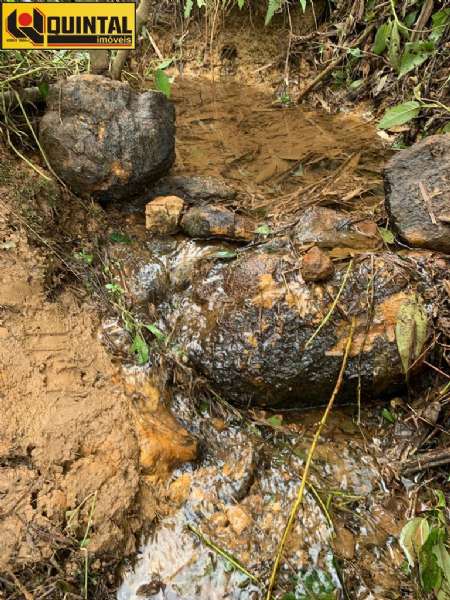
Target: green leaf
[(446, 128), (387, 235), (412, 537), (225, 254), (410, 18), (140, 348), (241, 3), (386, 414), (400, 114), (275, 421), (394, 46), (289, 596), (355, 52), (443, 559), (120, 238), (439, 21), (303, 5), (159, 335), (165, 64), (381, 38), (429, 569), (414, 54), (263, 229), (188, 8), (43, 89), (114, 288), (440, 498), (272, 7), (411, 330), (162, 83)]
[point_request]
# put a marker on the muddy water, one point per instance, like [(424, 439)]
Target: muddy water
[(236, 497)]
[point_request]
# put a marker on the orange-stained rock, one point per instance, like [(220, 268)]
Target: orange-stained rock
[(316, 266), (328, 228), (163, 214), (238, 518)]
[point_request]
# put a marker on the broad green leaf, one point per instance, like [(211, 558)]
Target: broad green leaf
[(159, 335), (430, 572), (355, 52), (381, 38), (441, 502), (412, 537), (162, 83), (303, 5), (429, 569), (411, 330), (439, 21), (387, 235), (394, 46), (414, 54), (446, 128), (140, 348), (241, 3), (400, 114), (272, 7)]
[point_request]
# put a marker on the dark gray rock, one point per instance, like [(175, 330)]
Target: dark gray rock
[(193, 190), (417, 185), (106, 140), (248, 326)]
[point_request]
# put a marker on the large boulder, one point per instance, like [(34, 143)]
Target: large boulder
[(261, 334), (417, 184), (104, 139)]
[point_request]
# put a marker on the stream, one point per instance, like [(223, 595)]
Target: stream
[(235, 498)]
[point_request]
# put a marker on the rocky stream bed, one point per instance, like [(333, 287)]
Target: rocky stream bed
[(232, 286)]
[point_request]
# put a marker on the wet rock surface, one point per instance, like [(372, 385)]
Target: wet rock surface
[(316, 266), (261, 334), (194, 190), (217, 222), (104, 139), (417, 184), (328, 228)]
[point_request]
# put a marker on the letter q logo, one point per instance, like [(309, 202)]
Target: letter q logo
[(27, 25)]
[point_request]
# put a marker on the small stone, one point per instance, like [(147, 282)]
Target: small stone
[(316, 266), (417, 190), (217, 222), (163, 214), (238, 518)]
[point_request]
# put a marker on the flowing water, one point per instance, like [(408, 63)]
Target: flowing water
[(235, 499)]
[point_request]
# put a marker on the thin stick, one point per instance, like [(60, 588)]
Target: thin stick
[(333, 306), (223, 553), (298, 501), (333, 64)]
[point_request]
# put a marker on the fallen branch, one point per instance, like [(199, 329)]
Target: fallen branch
[(298, 501), (433, 458), (334, 63)]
